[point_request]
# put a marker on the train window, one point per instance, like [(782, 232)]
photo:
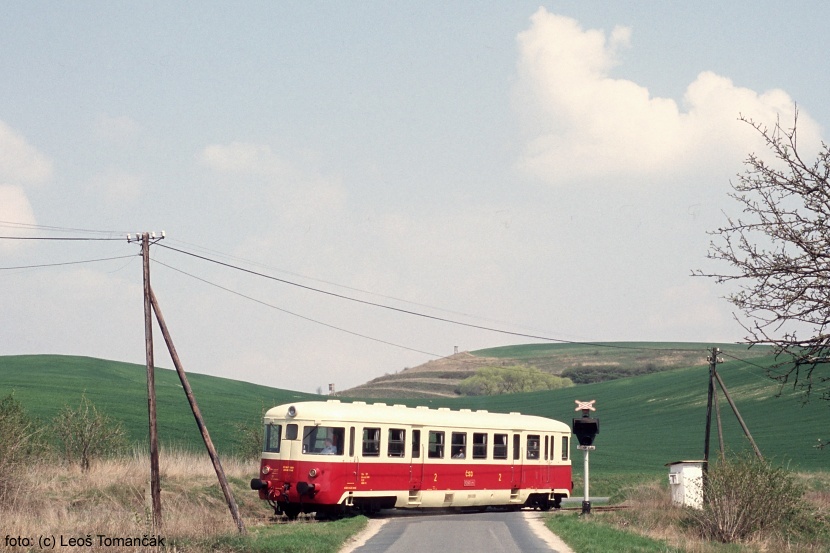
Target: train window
[(479, 445), (500, 446), (565, 448), (436, 444), (291, 432), (517, 446), (351, 441), (323, 440), (533, 446), (416, 444), (273, 433), (371, 442), (459, 445), (396, 447), (547, 439)]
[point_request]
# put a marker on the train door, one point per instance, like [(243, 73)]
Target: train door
[(352, 462), (518, 465), (416, 463)]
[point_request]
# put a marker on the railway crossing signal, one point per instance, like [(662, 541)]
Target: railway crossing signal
[(586, 429)]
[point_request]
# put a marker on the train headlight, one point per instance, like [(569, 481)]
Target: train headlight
[(292, 411), (313, 473), (266, 469)]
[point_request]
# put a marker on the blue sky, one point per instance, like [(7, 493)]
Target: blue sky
[(549, 169)]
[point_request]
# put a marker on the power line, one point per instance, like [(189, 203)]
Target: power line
[(414, 313), (66, 263), (61, 238), (345, 287), (31, 226), (295, 314)]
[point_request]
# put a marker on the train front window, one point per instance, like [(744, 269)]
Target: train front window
[(323, 440), (436, 445), (273, 435), (565, 448)]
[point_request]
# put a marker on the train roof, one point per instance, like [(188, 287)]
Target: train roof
[(382, 413)]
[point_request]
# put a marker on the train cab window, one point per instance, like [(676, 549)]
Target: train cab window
[(351, 441), (416, 444), (499, 446), (396, 445), (479, 445), (517, 446), (533, 446), (323, 440), (547, 439), (565, 448), (273, 434), (458, 448), (291, 432), (371, 442), (436, 444)]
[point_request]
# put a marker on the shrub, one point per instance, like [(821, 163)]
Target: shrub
[(489, 381), (86, 434), (746, 497), (21, 439)]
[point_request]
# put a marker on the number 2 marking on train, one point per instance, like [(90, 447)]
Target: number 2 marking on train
[(435, 477), (499, 477)]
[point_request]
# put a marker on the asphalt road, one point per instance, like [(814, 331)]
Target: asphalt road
[(489, 532)]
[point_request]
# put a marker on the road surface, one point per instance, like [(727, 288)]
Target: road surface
[(490, 532)]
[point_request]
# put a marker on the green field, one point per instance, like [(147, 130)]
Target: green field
[(646, 421)]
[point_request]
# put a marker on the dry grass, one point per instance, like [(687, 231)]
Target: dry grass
[(651, 513), (113, 499)]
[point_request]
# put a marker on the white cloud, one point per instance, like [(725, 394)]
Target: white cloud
[(116, 128), (581, 123), (117, 187), (296, 192), (19, 161), (16, 209)]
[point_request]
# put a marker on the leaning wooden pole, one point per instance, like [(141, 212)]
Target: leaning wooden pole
[(197, 414), (738, 415), (155, 481)]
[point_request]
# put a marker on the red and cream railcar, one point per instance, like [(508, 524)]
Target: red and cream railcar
[(330, 458)]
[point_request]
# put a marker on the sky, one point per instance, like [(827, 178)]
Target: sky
[(381, 172)]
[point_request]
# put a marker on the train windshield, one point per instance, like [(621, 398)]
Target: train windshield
[(273, 435), (323, 440)]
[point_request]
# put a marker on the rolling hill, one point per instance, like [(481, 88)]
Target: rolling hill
[(646, 421), (581, 362)]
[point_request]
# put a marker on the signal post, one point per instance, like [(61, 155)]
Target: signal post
[(586, 428)]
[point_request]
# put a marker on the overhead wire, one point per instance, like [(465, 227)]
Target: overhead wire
[(410, 312), (342, 286), (282, 310), (67, 263)]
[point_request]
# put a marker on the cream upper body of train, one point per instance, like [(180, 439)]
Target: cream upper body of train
[(332, 457)]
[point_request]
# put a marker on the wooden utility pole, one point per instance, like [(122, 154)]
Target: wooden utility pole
[(197, 414), (713, 396), (155, 482), (151, 305)]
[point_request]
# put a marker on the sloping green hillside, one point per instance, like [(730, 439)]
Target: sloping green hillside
[(45, 383), (646, 421)]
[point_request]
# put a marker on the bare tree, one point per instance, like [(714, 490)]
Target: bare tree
[(779, 253), (86, 433)]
